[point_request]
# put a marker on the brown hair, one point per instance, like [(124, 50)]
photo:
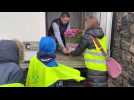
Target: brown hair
[(94, 21), (65, 14), (21, 50)]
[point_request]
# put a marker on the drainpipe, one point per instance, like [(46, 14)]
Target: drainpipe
[(114, 29)]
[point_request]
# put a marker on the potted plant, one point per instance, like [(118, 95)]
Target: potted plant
[(72, 37)]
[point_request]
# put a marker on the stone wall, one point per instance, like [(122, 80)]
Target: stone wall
[(122, 46)]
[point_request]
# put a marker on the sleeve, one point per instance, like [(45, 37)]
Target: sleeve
[(98, 32), (57, 34), (16, 76), (85, 42)]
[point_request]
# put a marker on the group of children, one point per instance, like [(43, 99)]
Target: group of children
[(44, 70)]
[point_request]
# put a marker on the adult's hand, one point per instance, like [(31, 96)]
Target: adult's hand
[(66, 51)]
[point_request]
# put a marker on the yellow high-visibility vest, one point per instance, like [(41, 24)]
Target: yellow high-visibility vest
[(40, 75), (94, 58), (12, 85)]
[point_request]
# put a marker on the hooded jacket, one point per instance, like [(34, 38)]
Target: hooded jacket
[(86, 41), (9, 63)]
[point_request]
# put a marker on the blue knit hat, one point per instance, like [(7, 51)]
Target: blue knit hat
[(47, 45)]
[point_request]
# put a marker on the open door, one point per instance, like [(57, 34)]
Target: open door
[(77, 21)]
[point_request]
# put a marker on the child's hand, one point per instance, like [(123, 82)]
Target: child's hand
[(66, 51)]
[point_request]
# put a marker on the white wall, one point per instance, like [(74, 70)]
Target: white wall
[(25, 26)]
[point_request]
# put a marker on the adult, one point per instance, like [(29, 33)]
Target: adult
[(57, 29)]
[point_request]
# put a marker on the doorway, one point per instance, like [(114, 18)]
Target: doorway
[(77, 21)]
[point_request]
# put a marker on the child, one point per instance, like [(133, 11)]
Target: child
[(94, 59), (44, 70), (10, 58)]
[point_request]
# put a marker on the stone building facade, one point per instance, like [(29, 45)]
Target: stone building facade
[(122, 47)]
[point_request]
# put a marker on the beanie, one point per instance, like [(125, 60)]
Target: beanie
[(47, 45)]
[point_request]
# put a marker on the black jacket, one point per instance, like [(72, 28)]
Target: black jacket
[(62, 28), (87, 42)]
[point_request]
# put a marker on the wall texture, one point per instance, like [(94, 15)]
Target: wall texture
[(24, 26), (123, 47)]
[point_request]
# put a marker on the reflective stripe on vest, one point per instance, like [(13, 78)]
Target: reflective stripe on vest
[(96, 61), (94, 58), (94, 53)]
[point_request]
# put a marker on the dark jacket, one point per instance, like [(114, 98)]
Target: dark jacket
[(62, 28), (87, 42), (9, 63)]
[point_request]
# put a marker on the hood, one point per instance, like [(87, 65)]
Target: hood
[(8, 51), (96, 32)]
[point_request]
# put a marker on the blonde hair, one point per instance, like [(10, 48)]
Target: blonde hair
[(21, 50)]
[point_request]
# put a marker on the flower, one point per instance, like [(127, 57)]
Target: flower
[(72, 32)]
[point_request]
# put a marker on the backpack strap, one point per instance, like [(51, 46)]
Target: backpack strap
[(99, 45)]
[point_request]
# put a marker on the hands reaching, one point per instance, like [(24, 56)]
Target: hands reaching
[(68, 50)]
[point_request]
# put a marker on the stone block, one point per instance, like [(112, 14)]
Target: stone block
[(132, 39), (125, 75), (116, 35), (124, 64), (124, 20), (126, 56), (116, 43), (131, 28), (125, 45), (131, 49), (133, 61), (131, 17), (125, 36)]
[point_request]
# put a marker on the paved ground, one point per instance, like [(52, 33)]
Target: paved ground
[(77, 62)]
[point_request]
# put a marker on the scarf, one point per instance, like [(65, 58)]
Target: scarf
[(47, 59)]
